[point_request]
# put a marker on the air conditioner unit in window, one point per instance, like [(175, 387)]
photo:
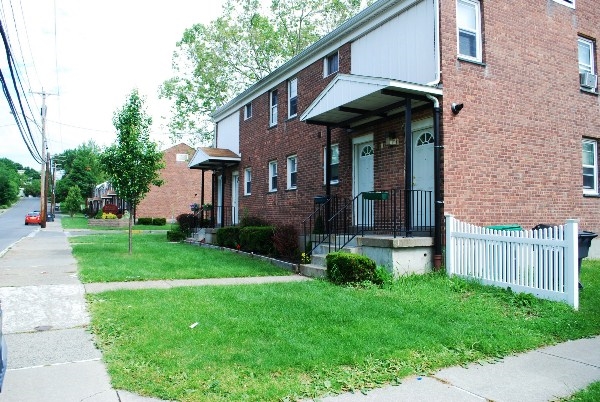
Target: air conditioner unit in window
[(588, 80)]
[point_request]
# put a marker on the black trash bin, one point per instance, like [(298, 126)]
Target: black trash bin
[(585, 241)]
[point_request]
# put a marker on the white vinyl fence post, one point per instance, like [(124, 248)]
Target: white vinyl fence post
[(449, 245), (571, 263)]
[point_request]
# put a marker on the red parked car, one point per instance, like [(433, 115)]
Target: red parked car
[(32, 218)]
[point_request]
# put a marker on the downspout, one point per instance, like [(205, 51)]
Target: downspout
[(328, 180), (439, 202)]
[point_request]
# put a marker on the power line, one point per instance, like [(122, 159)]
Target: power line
[(26, 133)]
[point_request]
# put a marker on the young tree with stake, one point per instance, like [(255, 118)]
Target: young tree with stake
[(133, 162)]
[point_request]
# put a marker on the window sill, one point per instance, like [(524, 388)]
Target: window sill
[(291, 189), (588, 91), (477, 63), (332, 183), (273, 126), (589, 195), (294, 117), (272, 191)]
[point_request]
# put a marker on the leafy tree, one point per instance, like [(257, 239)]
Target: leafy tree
[(82, 168), (33, 188), (133, 162), (73, 201), (215, 62), (9, 186)]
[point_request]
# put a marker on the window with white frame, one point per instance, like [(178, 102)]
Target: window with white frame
[(332, 64), (292, 172), (292, 97), (182, 157), (273, 176), (335, 162), (568, 3), (590, 166), (273, 108), (587, 68), (248, 110), (247, 181), (468, 24)]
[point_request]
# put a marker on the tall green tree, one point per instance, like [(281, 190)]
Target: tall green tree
[(81, 168), (73, 201), (215, 62), (9, 186), (133, 162)]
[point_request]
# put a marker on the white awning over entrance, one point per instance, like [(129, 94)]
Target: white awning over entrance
[(213, 159), (350, 100)]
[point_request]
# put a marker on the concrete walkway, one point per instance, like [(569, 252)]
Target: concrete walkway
[(52, 356)]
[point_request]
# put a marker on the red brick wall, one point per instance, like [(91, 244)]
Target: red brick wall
[(513, 154), (182, 187), (260, 144)]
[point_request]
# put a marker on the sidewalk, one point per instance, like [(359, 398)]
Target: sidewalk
[(52, 356)]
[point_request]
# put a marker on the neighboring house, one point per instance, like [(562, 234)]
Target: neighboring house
[(181, 187), (488, 110)]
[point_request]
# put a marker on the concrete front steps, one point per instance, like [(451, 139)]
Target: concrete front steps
[(318, 264), (399, 255)]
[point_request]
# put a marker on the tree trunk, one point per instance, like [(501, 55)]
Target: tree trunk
[(130, 229)]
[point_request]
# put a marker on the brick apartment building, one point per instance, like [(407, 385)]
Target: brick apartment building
[(488, 110), (180, 189)]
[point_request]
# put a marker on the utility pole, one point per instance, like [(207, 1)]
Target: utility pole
[(45, 163)]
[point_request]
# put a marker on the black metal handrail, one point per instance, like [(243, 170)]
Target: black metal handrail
[(212, 218), (373, 212)]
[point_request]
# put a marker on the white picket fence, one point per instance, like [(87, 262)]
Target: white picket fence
[(541, 262)]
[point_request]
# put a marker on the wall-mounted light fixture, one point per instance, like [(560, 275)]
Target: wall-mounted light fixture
[(391, 139), (457, 107)]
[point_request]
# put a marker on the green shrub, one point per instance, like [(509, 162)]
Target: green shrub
[(98, 214), (257, 239), (187, 222), (176, 235), (285, 241), (253, 221), (228, 236), (346, 268), (159, 221), (144, 221)]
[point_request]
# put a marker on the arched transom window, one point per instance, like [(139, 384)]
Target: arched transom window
[(367, 151), (425, 138)]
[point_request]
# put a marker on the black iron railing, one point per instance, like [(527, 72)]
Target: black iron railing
[(395, 212), (218, 216)]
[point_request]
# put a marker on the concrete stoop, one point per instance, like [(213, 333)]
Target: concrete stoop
[(318, 263)]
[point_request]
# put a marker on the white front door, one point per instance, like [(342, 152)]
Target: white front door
[(363, 174), (423, 176), (235, 191)]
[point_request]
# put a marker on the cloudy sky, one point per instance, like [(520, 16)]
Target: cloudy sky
[(89, 56)]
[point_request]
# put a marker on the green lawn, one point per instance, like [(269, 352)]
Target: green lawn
[(590, 394), (104, 258), (294, 340)]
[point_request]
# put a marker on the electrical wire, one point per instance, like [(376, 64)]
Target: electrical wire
[(25, 130)]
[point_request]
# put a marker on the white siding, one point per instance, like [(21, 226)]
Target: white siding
[(228, 133), (402, 48)]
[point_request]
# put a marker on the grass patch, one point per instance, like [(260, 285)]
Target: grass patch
[(299, 340), (78, 221), (590, 394), (105, 258)]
